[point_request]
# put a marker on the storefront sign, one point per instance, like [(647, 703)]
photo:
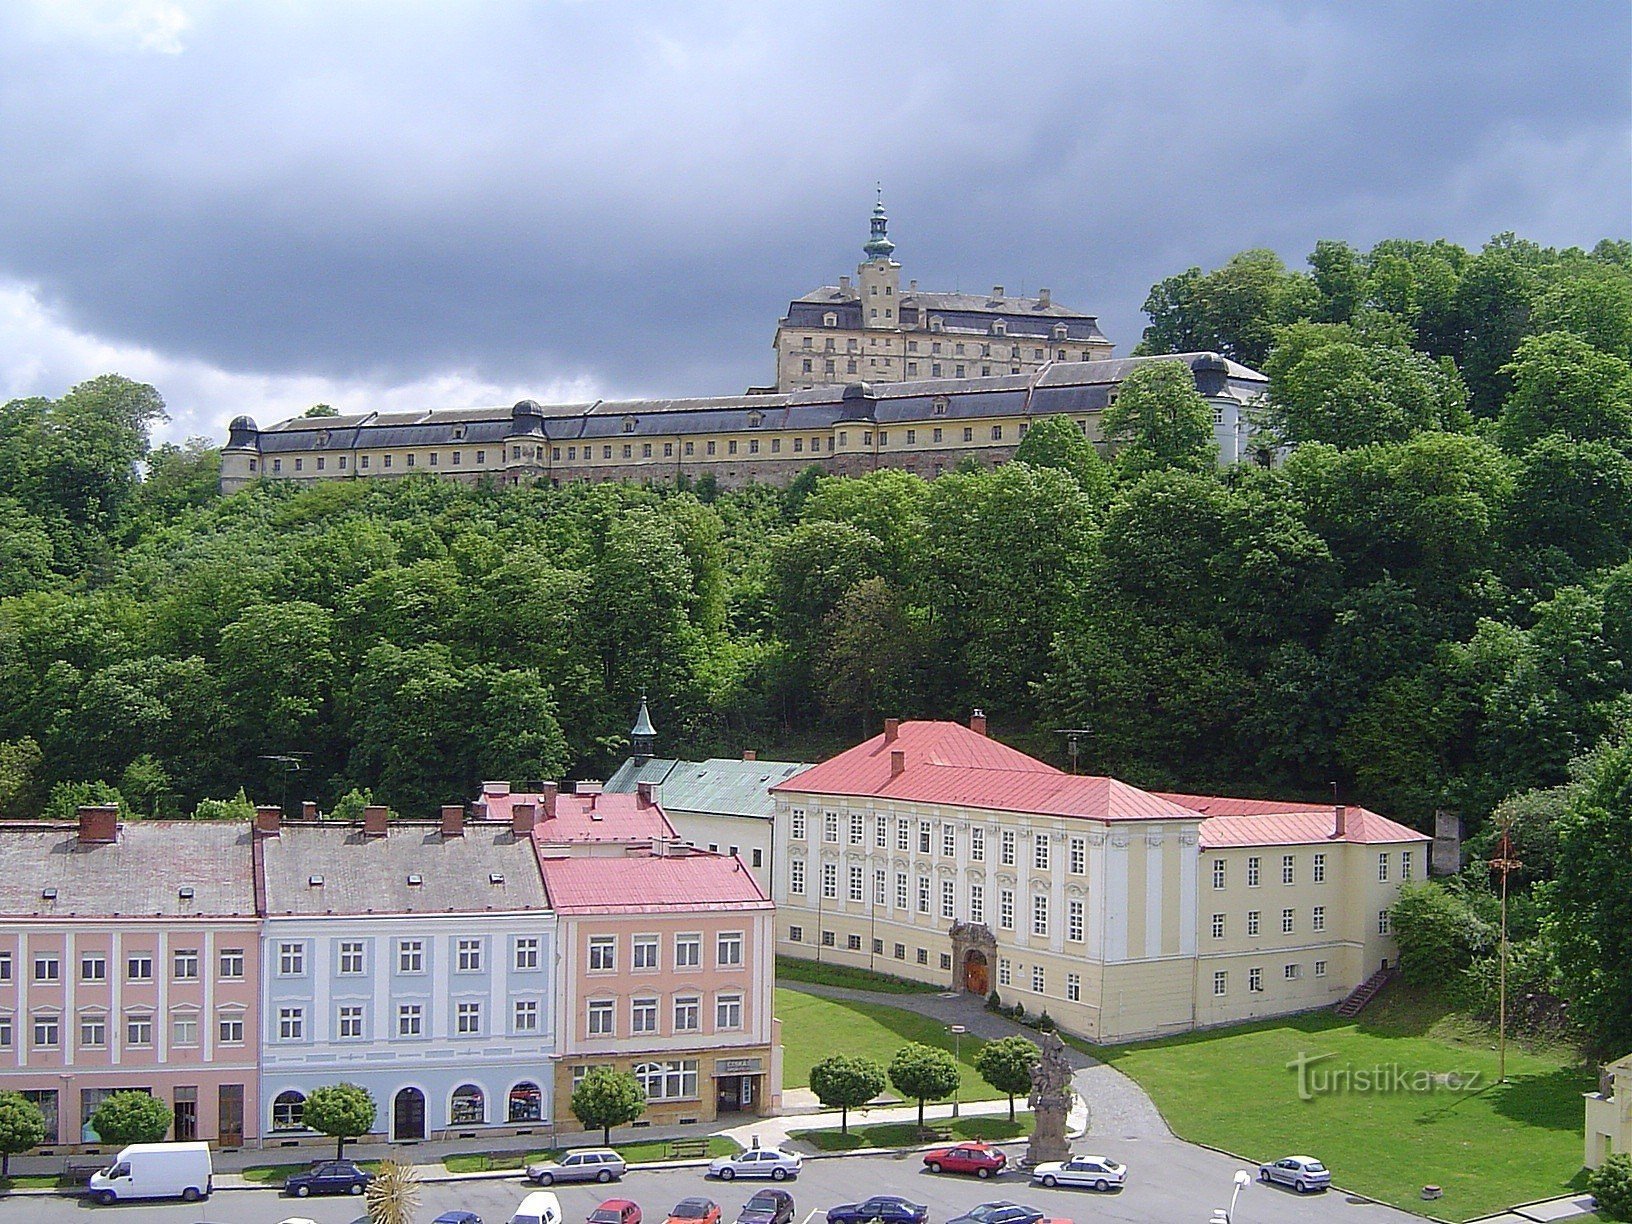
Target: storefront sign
[(739, 1066)]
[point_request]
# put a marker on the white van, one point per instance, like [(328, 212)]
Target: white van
[(539, 1207), (156, 1170)]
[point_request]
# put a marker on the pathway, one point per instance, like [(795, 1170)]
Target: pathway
[(1117, 1107)]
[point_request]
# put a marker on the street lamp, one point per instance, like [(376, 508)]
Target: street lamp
[(957, 1031), (1243, 1179)]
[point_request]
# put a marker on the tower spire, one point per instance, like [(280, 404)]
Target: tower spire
[(643, 736), (878, 244)]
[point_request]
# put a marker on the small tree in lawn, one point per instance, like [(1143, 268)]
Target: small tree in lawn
[(341, 1111), (1611, 1185), (22, 1126), (607, 1098), (393, 1195), (131, 1117), (1006, 1065), (925, 1073), (846, 1083)]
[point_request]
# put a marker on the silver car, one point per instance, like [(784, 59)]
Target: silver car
[(585, 1164), (1302, 1173), (757, 1162), (1100, 1172)]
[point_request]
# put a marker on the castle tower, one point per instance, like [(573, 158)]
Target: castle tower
[(880, 276), (643, 736)]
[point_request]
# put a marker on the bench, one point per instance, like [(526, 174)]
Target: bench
[(688, 1149), (78, 1172), (935, 1134)]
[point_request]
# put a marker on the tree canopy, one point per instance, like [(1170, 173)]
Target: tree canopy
[(342, 1111)]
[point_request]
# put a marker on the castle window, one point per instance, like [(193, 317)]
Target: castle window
[(997, 433), (411, 458), (320, 463), (1036, 354), (960, 371), (691, 448), (572, 452), (628, 424), (459, 433), (298, 464), (798, 446), (645, 450), (830, 319), (912, 436), (808, 341), (252, 465), (753, 446), (888, 313), (985, 370), (935, 435), (935, 323), (628, 452), (434, 457), (606, 452), (712, 447), (363, 462), (912, 367), (386, 462), (458, 457), (555, 452), (968, 433), (776, 446), (935, 369), (277, 465), (1060, 356), (889, 290), (850, 366), (481, 457), (731, 447), (1059, 331), (999, 328), (807, 365), (754, 420), (668, 450)]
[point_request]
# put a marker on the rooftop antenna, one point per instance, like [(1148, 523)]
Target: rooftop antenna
[(1073, 742)]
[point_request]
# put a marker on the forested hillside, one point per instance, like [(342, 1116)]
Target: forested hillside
[(1428, 603)]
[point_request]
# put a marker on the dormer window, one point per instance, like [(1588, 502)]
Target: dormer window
[(939, 404), (323, 436), (628, 424), (999, 328), (459, 433), (755, 419), (935, 323), (830, 319), (1059, 331)]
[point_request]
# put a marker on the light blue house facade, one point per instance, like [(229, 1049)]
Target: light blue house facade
[(414, 959)]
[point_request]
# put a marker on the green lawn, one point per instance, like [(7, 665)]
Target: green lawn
[(792, 969), (1488, 1148), (814, 1027), (271, 1175), (993, 1129), (30, 1181), (639, 1152)]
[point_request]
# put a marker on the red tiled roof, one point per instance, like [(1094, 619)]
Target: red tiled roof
[(588, 818), (651, 883), (1270, 822), (946, 762)]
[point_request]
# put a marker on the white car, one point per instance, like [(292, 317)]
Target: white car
[(757, 1162), (1302, 1173), (1100, 1172)]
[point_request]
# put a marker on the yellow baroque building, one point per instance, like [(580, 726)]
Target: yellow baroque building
[(935, 853)]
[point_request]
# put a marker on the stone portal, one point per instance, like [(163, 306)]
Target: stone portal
[(973, 949)]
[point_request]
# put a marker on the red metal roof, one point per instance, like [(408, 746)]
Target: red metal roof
[(651, 883), (1270, 822), (588, 818)]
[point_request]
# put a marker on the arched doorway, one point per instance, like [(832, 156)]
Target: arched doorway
[(408, 1115), (977, 974)]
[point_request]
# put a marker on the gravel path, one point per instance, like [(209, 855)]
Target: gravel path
[(1117, 1107)]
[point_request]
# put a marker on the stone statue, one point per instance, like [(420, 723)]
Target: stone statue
[(1050, 1100)]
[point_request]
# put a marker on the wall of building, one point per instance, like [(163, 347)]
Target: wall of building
[(183, 1058), (384, 1058), (748, 837)]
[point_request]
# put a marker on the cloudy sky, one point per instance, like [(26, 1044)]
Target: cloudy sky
[(257, 206)]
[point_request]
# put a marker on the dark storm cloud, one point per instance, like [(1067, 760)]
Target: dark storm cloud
[(631, 193)]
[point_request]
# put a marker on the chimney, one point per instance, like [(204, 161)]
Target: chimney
[(912, 286), (495, 788), (1341, 825), (453, 820), (977, 722), (898, 763), (594, 796), (523, 816), (98, 824), (997, 291), (269, 819), (1042, 297), (308, 810), (892, 728), (549, 791), (374, 820), (643, 796), (748, 754)]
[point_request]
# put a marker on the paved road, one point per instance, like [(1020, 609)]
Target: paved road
[(1172, 1183)]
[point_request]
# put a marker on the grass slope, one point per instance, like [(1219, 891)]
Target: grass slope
[(814, 1027), (1489, 1148), (906, 1134), (792, 969)]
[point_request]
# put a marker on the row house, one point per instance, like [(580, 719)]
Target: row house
[(934, 852)]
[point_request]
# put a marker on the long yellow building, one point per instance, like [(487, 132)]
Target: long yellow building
[(936, 853)]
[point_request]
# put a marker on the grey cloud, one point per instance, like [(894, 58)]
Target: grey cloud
[(537, 192)]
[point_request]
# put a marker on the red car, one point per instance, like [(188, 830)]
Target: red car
[(976, 1158)]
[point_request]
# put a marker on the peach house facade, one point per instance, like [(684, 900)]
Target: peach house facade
[(129, 959)]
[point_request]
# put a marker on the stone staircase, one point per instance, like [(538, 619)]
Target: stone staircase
[(1364, 993)]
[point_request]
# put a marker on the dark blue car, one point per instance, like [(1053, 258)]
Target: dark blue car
[(329, 1177), (458, 1217), (890, 1208)]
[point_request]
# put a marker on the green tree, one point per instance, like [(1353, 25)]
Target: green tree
[(1588, 906), (924, 1073), (131, 1117), (349, 807), (607, 1098), (341, 1111), (1563, 385), (1611, 1185), (1058, 442), (1349, 394), (1233, 310), (239, 807), (67, 798), (1437, 931), (1006, 1065), (144, 784), (844, 1083), (870, 655), (22, 1126), (1160, 420), (20, 761)]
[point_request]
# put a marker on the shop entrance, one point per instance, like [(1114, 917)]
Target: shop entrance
[(738, 1093)]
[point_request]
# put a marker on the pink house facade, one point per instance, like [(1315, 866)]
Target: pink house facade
[(129, 959)]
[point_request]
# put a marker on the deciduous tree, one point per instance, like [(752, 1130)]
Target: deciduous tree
[(844, 1083), (924, 1073), (606, 1098), (341, 1111), (1006, 1065)]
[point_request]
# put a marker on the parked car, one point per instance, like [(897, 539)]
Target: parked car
[(981, 1159), (329, 1177), (696, 1210), (888, 1208), (585, 1164), (539, 1207), (757, 1162), (458, 1217), (1302, 1173), (1000, 1212), (616, 1211), (767, 1207), (1100, 1172)]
